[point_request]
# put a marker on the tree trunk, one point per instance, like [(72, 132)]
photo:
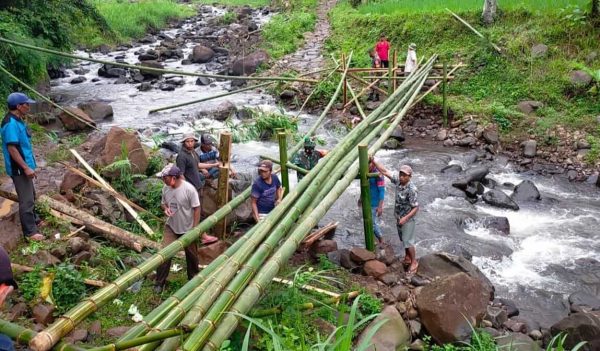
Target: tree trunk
[(489, 11), (595, 10)]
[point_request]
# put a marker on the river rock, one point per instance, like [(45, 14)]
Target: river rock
[(148, 56), (208, 253), (43, 313), (110, 71), (201, 54), (529, 106), (392, 144), (498, 224), (580, 78), (391, 336), (475, 174), (398, 134), (442, 134), (526, 191), (450, 169), (578, 327), (450, 306), (516, 342), (71, 182), (529, 148), (72, 124), (145, 86), (375, 268), (496, 315), (203, 81), (499, 199), (76, 245), (248, 65), (117, 332), (539, 50), (109, 149), (467, 141), (457, 249), (78, 335), (360, 255), (224, 110), (44, 258), (510, 306), (150, 74), (490, 135), (97, 110), (323, 247), (400, 292), (78, 80), (582, 299)]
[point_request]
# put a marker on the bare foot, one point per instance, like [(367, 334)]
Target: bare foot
[(209, 239), (413, 267), (36, 237)]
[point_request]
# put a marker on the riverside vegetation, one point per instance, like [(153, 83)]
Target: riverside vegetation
[(492, 85)]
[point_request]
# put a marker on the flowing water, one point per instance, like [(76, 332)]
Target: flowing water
[(553, 248)]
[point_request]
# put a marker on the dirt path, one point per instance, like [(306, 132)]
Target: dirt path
[(310, 56)]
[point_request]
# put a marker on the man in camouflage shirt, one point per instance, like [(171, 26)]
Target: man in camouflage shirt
[(307, 158), (405, 209)]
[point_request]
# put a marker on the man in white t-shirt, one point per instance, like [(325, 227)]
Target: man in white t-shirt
[(411, 59), (181, 204)]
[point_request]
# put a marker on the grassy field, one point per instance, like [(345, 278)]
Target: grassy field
[(429, 6), (492, 85)]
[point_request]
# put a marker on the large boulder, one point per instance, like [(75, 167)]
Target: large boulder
[(584, 300), (528, 106), (526, 191), (473, 175), (375, 268), (451, 306), (110, 149), (9, 224), (361, 255), (516, 342), (497, 224), (207, 253), (82, 122), (442, 264), (529, 148), (580, 78), (499, 199), (97, 110), (248, 65), (391, 336), (201, 54), (580, 327), (151, 74)]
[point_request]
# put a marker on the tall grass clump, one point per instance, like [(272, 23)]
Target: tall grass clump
[(133, 19)]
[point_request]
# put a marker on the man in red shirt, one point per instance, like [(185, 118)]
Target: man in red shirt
[(383, 47)]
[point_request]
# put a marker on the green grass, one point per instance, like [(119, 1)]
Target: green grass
[(132, 19), (430, 6), (492, 85), (251, 3)]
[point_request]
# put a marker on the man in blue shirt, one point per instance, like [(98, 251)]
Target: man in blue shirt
[(377, 192), (266, 191), (19, 161)]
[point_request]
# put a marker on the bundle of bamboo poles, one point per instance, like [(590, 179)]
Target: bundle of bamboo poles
[(220, 288), (315, 186)]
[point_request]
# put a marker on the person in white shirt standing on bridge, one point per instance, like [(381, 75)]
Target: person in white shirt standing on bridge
[(411, 59)]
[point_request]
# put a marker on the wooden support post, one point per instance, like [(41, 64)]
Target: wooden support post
[(395, 65), (445, 95), (344, 88), (283, 160), (365, 197), (390, 86), (223, 187)]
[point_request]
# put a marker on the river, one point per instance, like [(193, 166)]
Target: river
[(554, 245)]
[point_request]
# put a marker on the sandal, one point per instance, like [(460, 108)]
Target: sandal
[(209, 239)]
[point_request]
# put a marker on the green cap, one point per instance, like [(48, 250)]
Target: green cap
[(309, 142)]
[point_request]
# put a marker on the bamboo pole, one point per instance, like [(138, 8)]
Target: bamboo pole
[(315, 89), (30, 88), (125, 204), (22, 336), (150, 69), (21, 268), (445, 95), (285, 180), (223, 188), (345, 94), (268, 270), (433, 87), (303, 307), (365, 89), (212, 97), (288, 165), (365, 197), (498, 50), (367, 84), (403, 78), (390, 88), (318, 234), (395, 72)]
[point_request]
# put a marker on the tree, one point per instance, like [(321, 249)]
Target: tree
[(489, 11), (595, 8)]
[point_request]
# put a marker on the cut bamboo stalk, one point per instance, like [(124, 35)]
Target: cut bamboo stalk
[(212, 97), (367, 84), (403, 78), (73, 233), (475, 31), (288, 165), (285, 180), (345, 88), (365, 196), (445, 96), (318, 234), (22, 336), (125, 204), (21, 268), (150, 69), (30, 88), (223, 187), (395, 71)]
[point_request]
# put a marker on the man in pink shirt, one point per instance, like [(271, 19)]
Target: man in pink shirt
[(383, 47)]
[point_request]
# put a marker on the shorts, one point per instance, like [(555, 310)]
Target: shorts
[(406, 233)]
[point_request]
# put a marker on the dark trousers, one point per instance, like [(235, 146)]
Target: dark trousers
[(26, 194), (385, 63), (191, 258)]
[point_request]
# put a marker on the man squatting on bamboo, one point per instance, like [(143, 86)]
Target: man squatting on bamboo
[(405, 209)]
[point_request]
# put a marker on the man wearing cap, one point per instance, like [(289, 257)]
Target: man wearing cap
[(266, 191), (406, 207), (188, 161), (308, 157), (209, 158), (181, 204), (411, 59), (19, 161)]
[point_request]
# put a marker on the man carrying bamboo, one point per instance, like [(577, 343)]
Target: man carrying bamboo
[(266, 191), (406, 207), (19, 161), (181, 204)]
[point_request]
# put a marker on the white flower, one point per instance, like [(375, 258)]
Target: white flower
[(137, 317), (175, 268), (133, 310), (117, 302)]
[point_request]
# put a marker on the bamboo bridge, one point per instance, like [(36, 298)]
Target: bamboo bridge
[(206, 310)]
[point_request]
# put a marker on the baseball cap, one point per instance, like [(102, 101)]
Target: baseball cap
[(169, 170), (309, 142), (207, 139), (265, 165), (15, 99), (412, 46), (406, 169), (187, 136)]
